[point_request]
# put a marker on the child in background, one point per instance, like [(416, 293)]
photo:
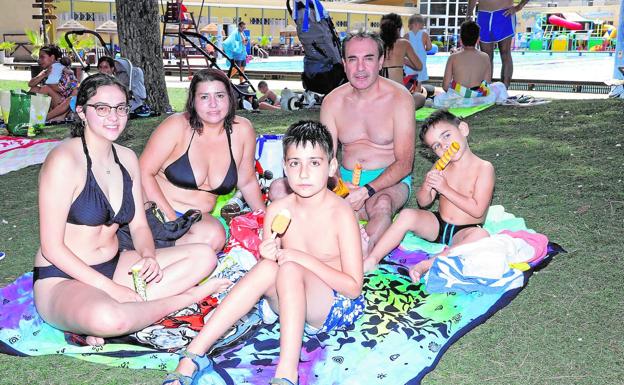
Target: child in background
[(269, 100), (311, 275), (421, 42), (464, 187)]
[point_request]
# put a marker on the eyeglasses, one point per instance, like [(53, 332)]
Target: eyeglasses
[(104, 109)]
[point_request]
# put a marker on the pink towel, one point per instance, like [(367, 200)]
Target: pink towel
[(539, 242)]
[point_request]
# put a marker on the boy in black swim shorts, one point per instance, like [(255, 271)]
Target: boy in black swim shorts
[(464, 189)]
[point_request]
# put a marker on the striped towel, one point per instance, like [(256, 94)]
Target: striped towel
[(482, 90), (17, 153)]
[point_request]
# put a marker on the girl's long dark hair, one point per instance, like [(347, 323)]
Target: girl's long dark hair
[(389, 29)]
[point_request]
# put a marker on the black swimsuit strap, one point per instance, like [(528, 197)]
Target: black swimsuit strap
[(190, 141)]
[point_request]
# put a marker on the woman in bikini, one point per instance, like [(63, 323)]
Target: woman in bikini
[(398, 52), (195, 156), (88, 186)]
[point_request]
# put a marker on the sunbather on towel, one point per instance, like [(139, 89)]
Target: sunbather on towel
[(311, 275), (464, 187), (88, 187), (468, 74)]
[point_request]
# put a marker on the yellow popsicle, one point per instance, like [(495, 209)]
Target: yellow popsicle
[(280, 223), (446, 157), (357, 172)]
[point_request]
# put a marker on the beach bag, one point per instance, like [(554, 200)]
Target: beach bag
[(5, 105), (164, 233), (27, 114), (270, 154)]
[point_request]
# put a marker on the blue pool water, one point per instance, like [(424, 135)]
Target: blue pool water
[(587, 66)]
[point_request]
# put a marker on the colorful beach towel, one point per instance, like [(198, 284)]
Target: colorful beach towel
[(17, 153), (404, 331)]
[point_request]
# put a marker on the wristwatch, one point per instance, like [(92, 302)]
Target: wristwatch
[(370, 189)]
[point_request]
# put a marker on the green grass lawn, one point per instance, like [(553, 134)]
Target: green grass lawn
[(559, 166)]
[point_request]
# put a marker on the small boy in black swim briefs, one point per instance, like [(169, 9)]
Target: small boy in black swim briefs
[(464, 189)]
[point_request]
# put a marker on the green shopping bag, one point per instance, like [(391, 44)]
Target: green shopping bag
[(28, 113)]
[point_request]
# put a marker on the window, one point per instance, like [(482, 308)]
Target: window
[(441, 22), (423, 9), (451, 21), (463, 9), (438, 9), (452, 9)]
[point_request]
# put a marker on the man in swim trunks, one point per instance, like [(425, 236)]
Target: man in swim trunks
[(497, 21), (373, 118)]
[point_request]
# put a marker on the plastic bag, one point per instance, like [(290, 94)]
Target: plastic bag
[(27, 114), (5, 105), (246, 232)]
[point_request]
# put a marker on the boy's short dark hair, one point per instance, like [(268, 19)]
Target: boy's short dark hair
[(469, 33), (309, 131), (262, 83), (362, 35), (107, 59), (438, 116)]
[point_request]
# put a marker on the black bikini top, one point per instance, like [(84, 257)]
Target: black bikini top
[(92, 208), (180, 172)]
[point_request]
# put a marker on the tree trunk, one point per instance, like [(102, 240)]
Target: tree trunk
[(138, 24)]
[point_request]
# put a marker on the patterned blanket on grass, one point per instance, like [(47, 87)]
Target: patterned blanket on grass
[(17, 153), (404, 330)]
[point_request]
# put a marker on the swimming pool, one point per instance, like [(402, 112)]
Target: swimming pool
[(585, 66)]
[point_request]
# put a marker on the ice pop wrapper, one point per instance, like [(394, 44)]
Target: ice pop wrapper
[(139, 283)]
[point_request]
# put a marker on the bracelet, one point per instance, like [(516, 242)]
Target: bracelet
[(371, 190)]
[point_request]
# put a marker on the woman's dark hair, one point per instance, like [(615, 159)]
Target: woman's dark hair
[(210, 74), (389, 30), (87, 90), (52, 50)]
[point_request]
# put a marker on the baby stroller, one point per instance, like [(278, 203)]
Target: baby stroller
[(322, 64), (245, 91), (133, 78), (125, 72)]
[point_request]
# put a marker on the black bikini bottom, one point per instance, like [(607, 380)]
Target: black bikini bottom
[(107, 268)]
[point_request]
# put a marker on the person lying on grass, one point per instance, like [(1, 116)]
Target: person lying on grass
[(88, 186), (311, 275), (464, 188)]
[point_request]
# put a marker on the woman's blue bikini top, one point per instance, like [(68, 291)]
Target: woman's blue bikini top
[(180, 172), (92, 208)]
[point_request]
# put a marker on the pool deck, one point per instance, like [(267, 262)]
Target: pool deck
[(7, 73)]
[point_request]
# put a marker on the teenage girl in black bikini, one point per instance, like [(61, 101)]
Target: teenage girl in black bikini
[(195, 156), (88, 186)]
